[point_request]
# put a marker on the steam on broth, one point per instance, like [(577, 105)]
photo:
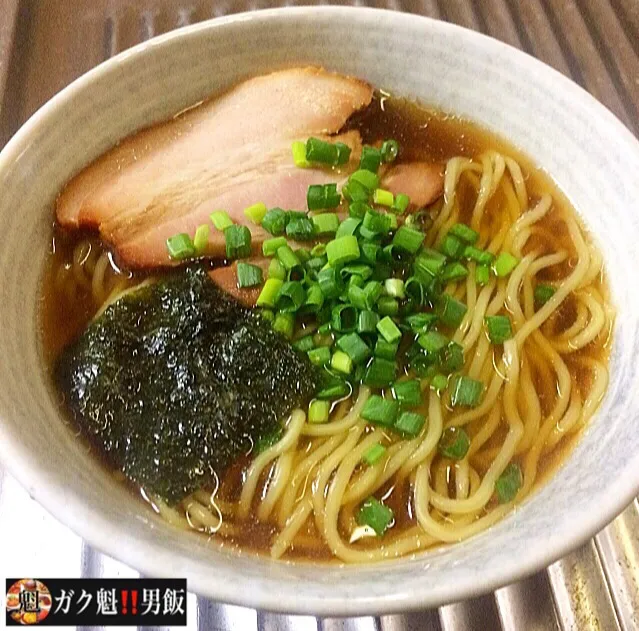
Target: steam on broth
[(441, 358)]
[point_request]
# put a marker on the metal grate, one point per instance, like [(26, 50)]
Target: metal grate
[(45, 44)]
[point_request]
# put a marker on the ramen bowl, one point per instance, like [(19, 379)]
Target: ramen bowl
[(583, 147)]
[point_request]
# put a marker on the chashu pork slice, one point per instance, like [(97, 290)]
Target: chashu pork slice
[(226, 154)]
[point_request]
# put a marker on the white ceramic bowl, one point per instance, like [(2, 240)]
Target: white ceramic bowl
[(594, 159)]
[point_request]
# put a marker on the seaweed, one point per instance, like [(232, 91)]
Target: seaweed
[(176, 380)]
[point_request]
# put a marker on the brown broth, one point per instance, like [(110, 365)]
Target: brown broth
[(424, 135)]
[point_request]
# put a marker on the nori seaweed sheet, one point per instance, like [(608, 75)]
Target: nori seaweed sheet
[(176, 380)]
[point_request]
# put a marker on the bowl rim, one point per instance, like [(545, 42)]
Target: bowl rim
[(143, 552)]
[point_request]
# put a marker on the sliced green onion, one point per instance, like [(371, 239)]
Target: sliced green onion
[(408, 239), (319, 356), (238, 242), (274, 221), (383, 197), (465, 233), (479, 256), (380, 411), (385, 350), (355, 192), (388, 306), (394, 287), (180, 246), (341, 362), (543, 293), (284, 323), (327, 153), (287, 257), (421, 322), (452, 246), (370, 252), (336, 388), (291, 297), (355, 347), (466, 391), (267, 314), (451, 358), (271, 246), (221, 220), (499, 328), (439, 382), (248, 275), (373, 454), (318, 250), (314, 300), (408, 393), (367, 322), (201, 238), (401, 203), (326, 223), (322, 196), (371, 159), (375, 515), (454, 443), (330, 282), (304, 344), (366, 178), (344, 318), (450, 311), (300, 229), (348, 227), (358, 209), (388, 330), (432, 341), (509, 483), (357, 269), (429, 263), (299, 154), (318, 411), (256, 212), (342, 250), (356, 295), (482, 274), (504, 264), (377, 223), (380, 373), (389, 150), (269, 293), (414, 291), (410, 423), (453, 272)]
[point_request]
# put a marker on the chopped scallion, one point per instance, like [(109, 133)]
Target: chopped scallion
[(326, 223), (410, 423), (221, 220), (465, 233), (180, 246), (269, 293), (256, 212), (287, 257), (201, 238), (454, 443), (319, 356), (318, 411), (342, 250), (284, 323), (299, 154), (321, 196), (380, 373), (450, 311), (375, 515), (248, 275), (383, 197), (389, 150), (466, 391), (355, 347), (389, 330), (373, 454), (499, 328), (408, 393), (238, 242), (509, 483), (543, 293), (271, 246), (504, 264), (394, 287), (291, 297), (385, 350), (371, 159), (341, 362), (274, 221), (380, 411)]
